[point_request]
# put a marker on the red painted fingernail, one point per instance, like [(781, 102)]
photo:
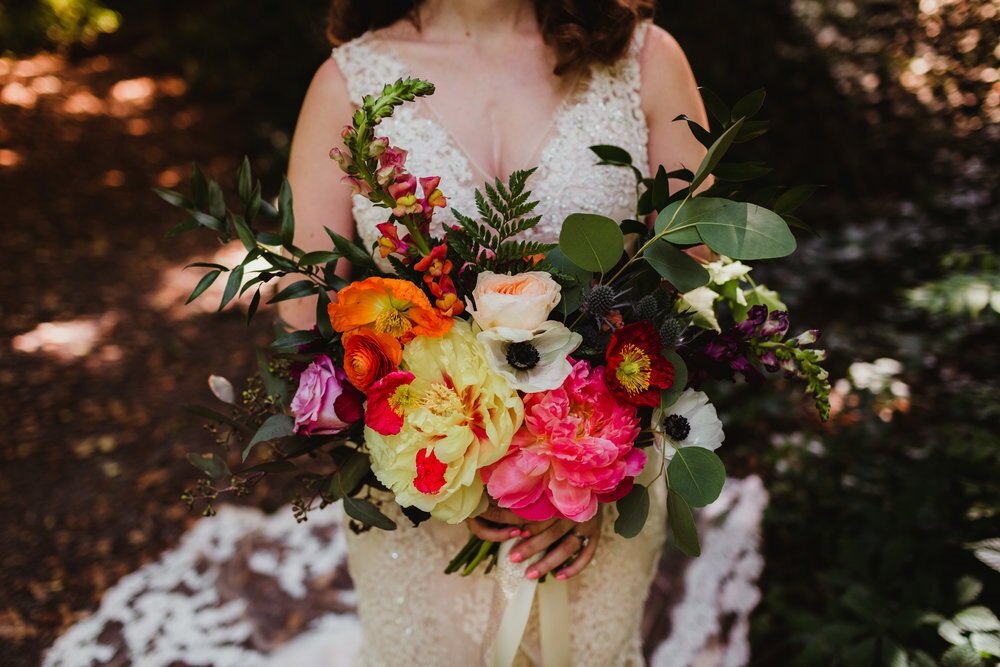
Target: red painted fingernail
[(531, 574), (515, 557), (526, 534), (561, 575), (515, 532)]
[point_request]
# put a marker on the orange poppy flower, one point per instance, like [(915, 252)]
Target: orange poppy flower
[(389, 306), (369, 356)]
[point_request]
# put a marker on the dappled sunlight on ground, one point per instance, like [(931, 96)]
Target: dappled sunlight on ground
[(69, 340)]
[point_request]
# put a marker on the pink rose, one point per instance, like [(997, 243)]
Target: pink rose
[(325, 403)]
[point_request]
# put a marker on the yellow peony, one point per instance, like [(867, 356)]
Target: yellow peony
[(459, 416)]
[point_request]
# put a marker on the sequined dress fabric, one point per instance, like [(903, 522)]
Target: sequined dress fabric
[(410, 612)]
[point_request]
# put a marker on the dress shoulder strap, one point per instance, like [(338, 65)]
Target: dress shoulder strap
[(365, 67)]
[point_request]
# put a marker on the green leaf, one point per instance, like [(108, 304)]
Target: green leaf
[(669, 396), (205, 220), (199, 187), (349, 476), (633, 227), (751, 130), (716, 107), (661, 189), (243, 180), (961, 656), (350, 251), (212, 465), (703, 136), (274, 427), (323, 314), (297, 290), (633, 510), (794, 197), (571, 295), (739, 172), (676, 266), (612, 154), (216, 201), (253, 205), (681, 523), (679, 220), (203, 284), (748, 106), (715, 154), (318, 257), (180, 228), (287, 232), (243, 231), (746, 231), (365, 512), (173, 197), (295, 339), (232, 286), (645, 204), (272, 467), (592, 242), (697, 474), (254, 305)]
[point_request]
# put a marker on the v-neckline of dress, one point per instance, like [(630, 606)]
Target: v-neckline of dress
[(548, 138)]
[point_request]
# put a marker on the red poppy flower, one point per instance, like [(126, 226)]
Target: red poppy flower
[(636, 370)]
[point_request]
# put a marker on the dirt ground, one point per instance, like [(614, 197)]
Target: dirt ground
[(97, 351)]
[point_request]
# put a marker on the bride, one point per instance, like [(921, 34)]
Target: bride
[(520, 83)]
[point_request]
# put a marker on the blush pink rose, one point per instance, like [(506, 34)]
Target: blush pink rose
[(575, 450), (325, 402)]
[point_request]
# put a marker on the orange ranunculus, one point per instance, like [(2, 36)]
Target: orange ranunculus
[(369, 356), (387, 305)]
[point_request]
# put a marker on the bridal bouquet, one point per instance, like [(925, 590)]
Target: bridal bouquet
[(485, 367)]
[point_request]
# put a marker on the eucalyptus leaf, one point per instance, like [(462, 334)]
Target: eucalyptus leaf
[(676, 266), (243, 231), (633, 511), (253, 205), (350, 475), (661, 189), (633, 227), (366, 513), (703, 136), (739, 172), (350, 251), (679, 220), (719, 110), (323, 314), (274, 427), (199, 187), (793, 197), (592, 242), (211, 464), (751, 130), (254, 305), (216, 201), (682, 525), (746, 231), (571, 296), (697, 474)]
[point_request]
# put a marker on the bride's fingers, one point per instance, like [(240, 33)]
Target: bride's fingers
[(500, 515), (582, 560), (540, 540), (485, 531), (566, 549)]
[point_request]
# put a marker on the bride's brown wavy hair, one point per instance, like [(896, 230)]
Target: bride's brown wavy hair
[(581, 32)]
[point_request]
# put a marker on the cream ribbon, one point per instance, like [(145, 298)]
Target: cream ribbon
[(553, 616)]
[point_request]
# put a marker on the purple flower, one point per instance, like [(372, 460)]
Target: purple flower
[(755, 317), (325, 403), (775, 325)]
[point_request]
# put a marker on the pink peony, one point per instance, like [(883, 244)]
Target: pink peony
[(325, 402), (574, 450)]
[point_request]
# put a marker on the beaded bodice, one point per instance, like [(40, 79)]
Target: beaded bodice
[(604, 109)]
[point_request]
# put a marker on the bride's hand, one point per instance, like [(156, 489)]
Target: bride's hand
[(496, 524), (576, 541)]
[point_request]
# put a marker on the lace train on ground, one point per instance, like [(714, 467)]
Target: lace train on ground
[(248, 590)]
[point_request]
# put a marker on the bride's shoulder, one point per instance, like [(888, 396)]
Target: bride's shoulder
[(660, 48)]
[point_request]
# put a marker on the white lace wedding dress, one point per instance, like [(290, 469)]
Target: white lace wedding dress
[(410, 611), (244, 589)]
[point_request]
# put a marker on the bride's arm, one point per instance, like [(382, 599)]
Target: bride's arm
[(667, 90), (319, 198)]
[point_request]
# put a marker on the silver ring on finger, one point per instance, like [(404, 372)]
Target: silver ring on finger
[(584, 540)]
